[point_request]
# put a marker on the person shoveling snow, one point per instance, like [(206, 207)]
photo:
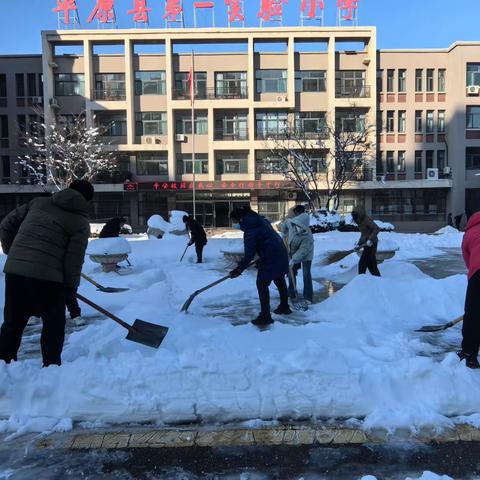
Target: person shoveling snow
[(368, 241), (260, 238)]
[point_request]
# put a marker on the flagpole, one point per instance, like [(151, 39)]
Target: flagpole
[(192, 101)]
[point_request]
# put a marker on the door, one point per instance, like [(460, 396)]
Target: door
[(222, 214)]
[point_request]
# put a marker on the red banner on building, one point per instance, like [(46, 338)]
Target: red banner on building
[(216, 185)]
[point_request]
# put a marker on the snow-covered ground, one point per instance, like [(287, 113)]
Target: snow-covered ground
[(353, 356)]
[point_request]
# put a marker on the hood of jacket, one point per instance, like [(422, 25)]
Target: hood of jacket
[(474, 221), (302, 222), (71, 201), (360, 212), (250, 220)]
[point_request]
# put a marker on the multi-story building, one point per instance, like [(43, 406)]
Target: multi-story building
[(425, 104)]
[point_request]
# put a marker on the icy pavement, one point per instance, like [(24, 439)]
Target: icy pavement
[(352, 356)]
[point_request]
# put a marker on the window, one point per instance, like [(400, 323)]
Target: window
[(402, 121), (20, 84), (379, 121), (429, 159), (3, 85), (472, 158), (310, 81), (150, 123), (402, 80), (390, 121), (473, 118), (182, 89), (418, 121), (418, 80), (441, 160), (380, 165), (401, 162), (430, 86), (184, 123), (390, 162), (271, 210), (110, 86), (379, 81), (271, 81), (271, 124), (150, 83), (441, 121), (31, 85), (430, 122), (350, 83), (316, 160), (114, 125), (310, 124), (349, 121), (442, 73), (268, 163), (185, 164), (69, 84), (152, 163), (4, 143), (6, 166), (231, 126), (231, 85), (418, 161), (473, 74), (232, 163), (390, 78)]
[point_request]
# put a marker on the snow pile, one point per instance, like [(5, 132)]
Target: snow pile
[(324, 221), (176, 221), (355, 355), (448, 230), (159, 226), (426, 476), (109, 246), (157, 222), (384, 226)]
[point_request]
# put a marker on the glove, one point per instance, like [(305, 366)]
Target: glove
[(235, 273), (369, 243)]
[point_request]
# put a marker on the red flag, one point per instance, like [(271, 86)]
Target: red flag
[(190, 85)]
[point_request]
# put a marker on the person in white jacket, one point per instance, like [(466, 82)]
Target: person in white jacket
[(301, 247)]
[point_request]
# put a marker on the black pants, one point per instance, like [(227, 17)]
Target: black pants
[(368, 261), (27, 297), (199, 250), (72, 303), (264, 294), (471, 319)]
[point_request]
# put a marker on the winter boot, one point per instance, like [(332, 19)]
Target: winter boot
[(470, 360), (262, 320), (282, 310), (79, 321)]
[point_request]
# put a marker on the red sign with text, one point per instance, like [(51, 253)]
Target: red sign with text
[(217, 185), (140, 11), (235, 13), (103, 11), (271, 9), (66, 6), (310, 6), (348, 6)]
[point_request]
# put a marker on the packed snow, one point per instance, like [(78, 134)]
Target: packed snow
[(425, 476), (109, 246), (353, 356)]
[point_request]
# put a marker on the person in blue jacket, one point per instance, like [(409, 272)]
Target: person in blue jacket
[(260, 239)]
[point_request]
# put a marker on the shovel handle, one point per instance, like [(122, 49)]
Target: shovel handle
[(91, 280), (105, 312)]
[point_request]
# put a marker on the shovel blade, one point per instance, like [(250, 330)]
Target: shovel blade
[(147, 333), (112, 289), (431, 328)]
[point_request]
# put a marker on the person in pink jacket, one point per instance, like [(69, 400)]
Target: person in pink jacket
[(471, 319)]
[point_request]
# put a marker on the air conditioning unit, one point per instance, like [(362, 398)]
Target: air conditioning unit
[(473, 90), (447, 170), (180, 137), (381, 178), (291, 195), (281, 98), (151, 140), (37, 100), (432, 173)]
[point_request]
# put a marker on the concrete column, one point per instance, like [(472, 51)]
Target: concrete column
[(130, 91), (89, 80), (251, 109), (133, 198), (48, 82), (331, 68), (291, 72), (211, 150), (170, 110)]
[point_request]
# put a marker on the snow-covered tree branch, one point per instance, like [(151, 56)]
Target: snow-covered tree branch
[(69, 151)]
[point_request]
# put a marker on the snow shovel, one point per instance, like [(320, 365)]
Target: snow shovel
[(296, 302), (142, 332), (184, 252), (190, 299), (101, 288), (439, 328)]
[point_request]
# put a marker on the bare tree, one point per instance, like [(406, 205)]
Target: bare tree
[(70, 151), (320, 163)]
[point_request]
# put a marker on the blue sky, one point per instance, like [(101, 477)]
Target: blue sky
[(400, 23)]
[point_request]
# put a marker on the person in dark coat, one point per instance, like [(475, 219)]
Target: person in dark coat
[(45, 243), (112, 228), (260, 239), (197, 235), (368, 241)]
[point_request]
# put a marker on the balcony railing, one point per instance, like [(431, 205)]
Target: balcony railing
[(212, 94), (354, 91), (262, 135), (119, 176), (363, 175), (240, 134), (110, 95), (268, 168)]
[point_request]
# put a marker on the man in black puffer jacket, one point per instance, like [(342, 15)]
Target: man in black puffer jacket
[(45, 242), (197, 236)]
